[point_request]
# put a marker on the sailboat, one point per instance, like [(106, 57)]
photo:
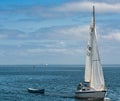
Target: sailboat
[(94, 84)]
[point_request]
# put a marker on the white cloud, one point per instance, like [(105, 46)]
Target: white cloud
[(73, 7), (77, 32), (12, 34), (52, 51), (112, 36), (87, 6), (62, 33), (61, 10)]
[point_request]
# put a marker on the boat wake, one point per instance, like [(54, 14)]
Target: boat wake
[(107, 99)]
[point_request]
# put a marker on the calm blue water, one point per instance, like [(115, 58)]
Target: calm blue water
[(59, 81)]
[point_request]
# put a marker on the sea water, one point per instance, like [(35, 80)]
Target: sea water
[(59, 82)]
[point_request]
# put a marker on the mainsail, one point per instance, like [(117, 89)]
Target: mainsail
[(93, 69)]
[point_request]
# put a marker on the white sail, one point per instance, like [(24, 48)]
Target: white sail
[(88, 65), (88, 59), (97, 79)]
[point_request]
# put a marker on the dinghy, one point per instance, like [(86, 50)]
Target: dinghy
[(34, 90)]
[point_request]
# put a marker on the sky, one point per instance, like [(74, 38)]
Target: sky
[(56, 31)]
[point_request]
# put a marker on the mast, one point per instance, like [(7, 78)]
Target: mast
[(93, 16), (92, 37)]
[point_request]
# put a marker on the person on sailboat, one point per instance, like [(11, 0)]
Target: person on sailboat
[(79, 86)]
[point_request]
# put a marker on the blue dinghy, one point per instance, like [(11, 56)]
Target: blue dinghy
[(34, 90)]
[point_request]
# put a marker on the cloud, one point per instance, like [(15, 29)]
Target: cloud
[(55, 47), (53, 51), (79, 32), (64, 32), (49, 33), (101, 7), (112, 36), (28, 10), (24, 48), (65, 9), (12, 34)]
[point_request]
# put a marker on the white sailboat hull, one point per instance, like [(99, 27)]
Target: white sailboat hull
[(90, 94)]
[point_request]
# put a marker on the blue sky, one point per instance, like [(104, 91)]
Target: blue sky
[(56, 31)]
